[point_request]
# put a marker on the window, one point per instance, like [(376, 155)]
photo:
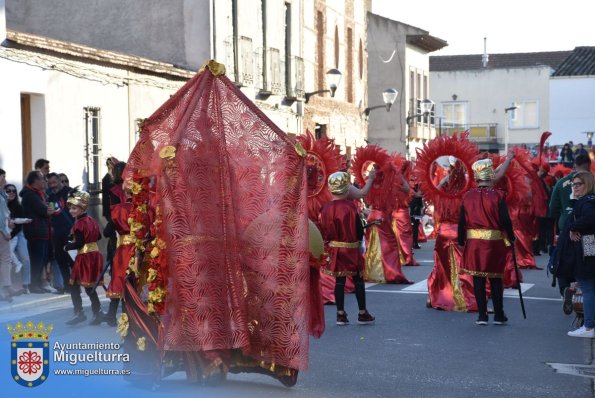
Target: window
[(288, 70), (349, 65), (361, 59), (320, 48), (526, 116), (336, 47), (92, 148), (455, 113)]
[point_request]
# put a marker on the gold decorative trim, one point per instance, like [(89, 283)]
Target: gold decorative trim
[(88, 248), (344, 245), (338, 273), (123, 325), (485, 234), (215, 67), (455, 283), (167, 152), (125, 240), (300, 149), (141, 343), (482, 274)]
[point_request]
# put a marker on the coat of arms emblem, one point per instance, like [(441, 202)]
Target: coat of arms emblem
[(29, 353)]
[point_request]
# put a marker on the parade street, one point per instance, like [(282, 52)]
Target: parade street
[(411, 351)]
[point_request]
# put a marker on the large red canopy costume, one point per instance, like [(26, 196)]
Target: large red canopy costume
[(229, 272)]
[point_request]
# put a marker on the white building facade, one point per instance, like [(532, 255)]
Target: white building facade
[(471, 96)]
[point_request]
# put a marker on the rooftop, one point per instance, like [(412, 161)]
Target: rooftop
[(448, 63), (581, 62)]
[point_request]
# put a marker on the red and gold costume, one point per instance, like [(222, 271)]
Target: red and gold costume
[(228, 271), (88, 263), (323, 158), (338, 224), (382, 259), (485, 238), (448, 289), (125, 246)]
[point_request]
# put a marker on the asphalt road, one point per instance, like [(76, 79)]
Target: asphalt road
[(411, 351)]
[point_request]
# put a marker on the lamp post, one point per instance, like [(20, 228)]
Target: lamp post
[(333, 77), (512, 108), (589, 138), (425, 108), (388, 96)]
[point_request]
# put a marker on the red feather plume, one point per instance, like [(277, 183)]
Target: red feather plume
[(388, 184), (323, 159), (538, 192), (559, 170), (446, 203)]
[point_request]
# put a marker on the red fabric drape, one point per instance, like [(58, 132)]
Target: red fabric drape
[(231, 191)]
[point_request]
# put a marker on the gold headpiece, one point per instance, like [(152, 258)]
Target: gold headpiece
[(339, 182), (78, 198), (30, 331), (483, 170)]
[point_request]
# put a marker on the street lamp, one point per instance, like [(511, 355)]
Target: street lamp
[(333, 77), (512, 109), (388, 96), (589, 137), (425, 107)]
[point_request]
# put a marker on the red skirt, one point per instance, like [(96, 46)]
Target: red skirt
[(87, 269)]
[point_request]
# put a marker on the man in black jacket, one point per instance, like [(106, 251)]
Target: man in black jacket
[(62, 223), (37, 232)]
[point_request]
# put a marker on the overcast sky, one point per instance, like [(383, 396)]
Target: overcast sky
[(511, 26)]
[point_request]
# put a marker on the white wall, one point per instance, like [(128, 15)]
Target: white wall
[(488, 92), (572, 109), (57, 115)]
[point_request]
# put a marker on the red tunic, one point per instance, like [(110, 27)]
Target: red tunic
[(124, 251), (485, 249), (338, 226), (87, 265), (382, 254), (401, 224)]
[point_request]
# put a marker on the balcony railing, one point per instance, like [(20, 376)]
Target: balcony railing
[(481, 133)]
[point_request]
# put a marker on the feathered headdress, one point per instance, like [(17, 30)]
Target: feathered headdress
[(559, 170), (514, 182), (447, 199), (537, 190), (388, 184), (323, 158)]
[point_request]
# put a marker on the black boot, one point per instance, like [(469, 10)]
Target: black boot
[(78, 318), (110, 317), (98, 317)]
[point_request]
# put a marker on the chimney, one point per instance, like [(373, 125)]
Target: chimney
[(485, 57)]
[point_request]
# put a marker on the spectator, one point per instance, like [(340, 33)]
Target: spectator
[(107, 183), (64, 180), (37, 232), (61, 223), (560, 205), (43, 165), (580, 150), (5, 263), (18, 244), (580, 224), (566, 155)]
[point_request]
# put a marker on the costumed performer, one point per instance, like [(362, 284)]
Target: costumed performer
[(483, 220), (342, 231), (121, 208), (88, 264), (448, 289)]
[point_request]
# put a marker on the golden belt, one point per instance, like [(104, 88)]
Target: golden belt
[(88, 248), (344, 245), (125, 240), (485, 234)]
